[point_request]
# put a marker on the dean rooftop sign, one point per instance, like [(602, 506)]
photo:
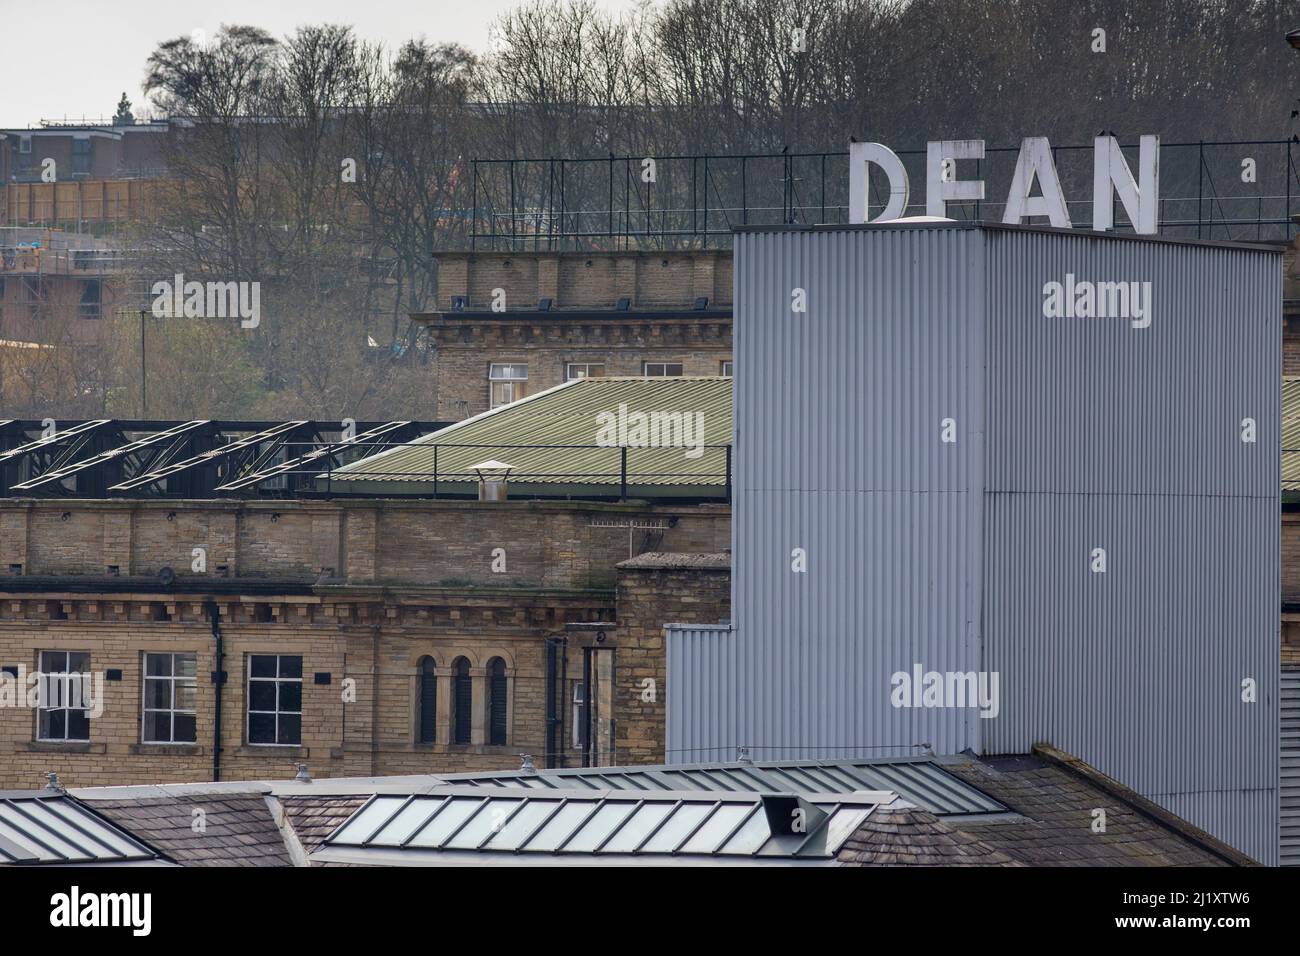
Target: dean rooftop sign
[(1111, 177)]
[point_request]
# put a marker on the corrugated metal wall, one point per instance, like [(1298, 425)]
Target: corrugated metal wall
[(1105, 436), (712, 649), (838, 454), (976, 555), (1289, 784)]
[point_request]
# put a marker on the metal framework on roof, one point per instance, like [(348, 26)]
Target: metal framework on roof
[(160, 443), (100, 458), (730, 827), (374, 440), (50, 827), (922, 782)]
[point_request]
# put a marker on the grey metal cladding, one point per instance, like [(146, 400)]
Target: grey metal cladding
[(1139, 670), (819, 647), (1073, 434), (857, 386), (1102, 435), (1245, 819), (702, 721), (1093, 404), (1289, 782)]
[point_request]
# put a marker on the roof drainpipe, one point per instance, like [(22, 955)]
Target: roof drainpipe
[(218, 679)]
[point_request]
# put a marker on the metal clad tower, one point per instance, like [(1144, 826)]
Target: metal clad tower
[(947, 464)]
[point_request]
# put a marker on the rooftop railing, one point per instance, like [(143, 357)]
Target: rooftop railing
[(1236, 190)]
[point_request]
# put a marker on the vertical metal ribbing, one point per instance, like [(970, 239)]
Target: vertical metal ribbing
[(1073, 433)]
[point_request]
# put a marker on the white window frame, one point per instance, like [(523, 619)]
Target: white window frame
[(727, 368), (587, 366), (66, 681), (277, 680), (512, 382), (172, 679), (646, 366)]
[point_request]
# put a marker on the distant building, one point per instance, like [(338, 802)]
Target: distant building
[(56, 286), (79, 175), (512, 325)]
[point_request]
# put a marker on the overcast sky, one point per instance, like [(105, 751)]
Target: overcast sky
[(74, 58)]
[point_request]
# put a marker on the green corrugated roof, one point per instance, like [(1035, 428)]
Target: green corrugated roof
[(568, 419), (1291, 434)]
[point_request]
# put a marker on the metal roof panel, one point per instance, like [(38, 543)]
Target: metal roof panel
[(550, 438), (922, 782)]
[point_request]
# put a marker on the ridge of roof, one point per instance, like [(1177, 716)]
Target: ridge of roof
[(671, 560), (1158, 814), (979, 225)]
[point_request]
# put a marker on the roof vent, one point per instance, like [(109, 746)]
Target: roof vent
[(302, 776), (528, 766), (52, 782), (493, 479), (742, 754), (790, 815), (701, 303), (544, 304)]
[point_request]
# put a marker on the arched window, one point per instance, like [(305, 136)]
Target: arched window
[(428, 701), (497, 702), (462, 701)]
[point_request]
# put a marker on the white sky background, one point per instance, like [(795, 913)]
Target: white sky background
[(74, 58)]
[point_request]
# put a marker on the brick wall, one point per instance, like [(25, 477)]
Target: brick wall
[(658, 285), (466, 349), (363, 722), (1291, 346), (417, 581), (393, 542), (586, 280), (1290, 544), (654, 590)]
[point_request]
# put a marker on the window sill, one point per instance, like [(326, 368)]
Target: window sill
[(165, 750), (60, 747), (272, 750)]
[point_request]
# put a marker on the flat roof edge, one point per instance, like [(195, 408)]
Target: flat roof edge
[(1268, 248)]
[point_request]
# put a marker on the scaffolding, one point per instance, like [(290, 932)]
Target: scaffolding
[(38, 263)]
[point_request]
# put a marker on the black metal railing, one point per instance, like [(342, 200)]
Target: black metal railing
[(1239, 190), (613, 472)]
